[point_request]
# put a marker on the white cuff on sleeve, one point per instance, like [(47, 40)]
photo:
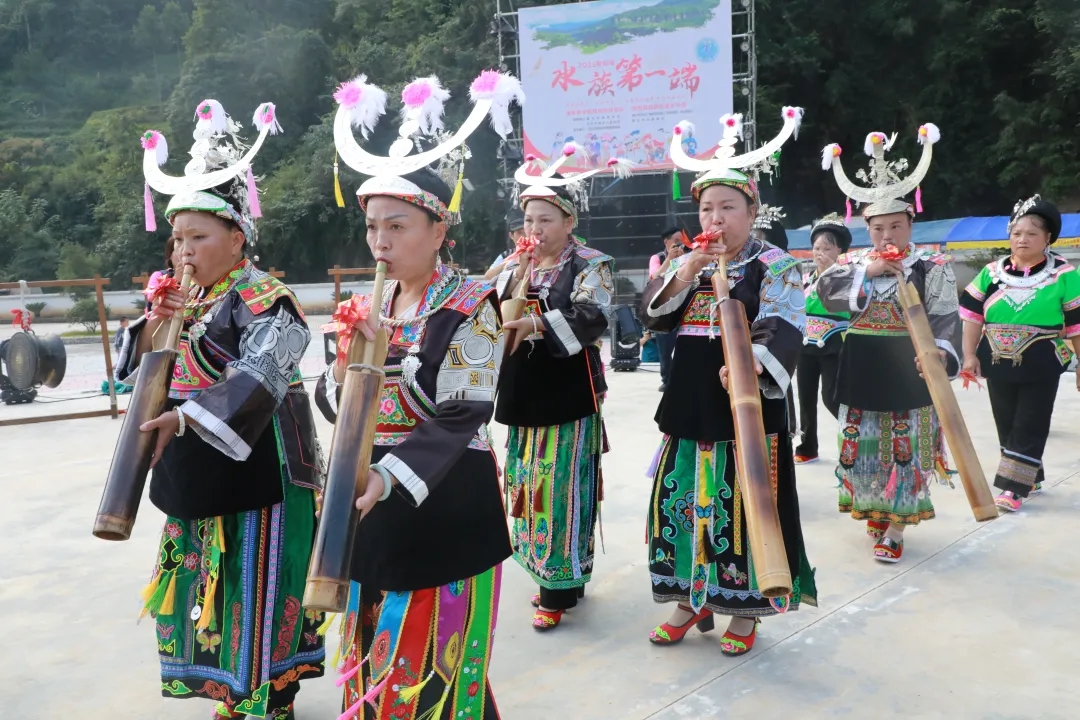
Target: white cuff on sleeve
[(562, 331), (406, 477), (215, 432), (676, 300), (857, 281), (776, 371), (332, 388), (948, 347)]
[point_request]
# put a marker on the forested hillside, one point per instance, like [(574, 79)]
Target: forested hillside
[(81, 79)]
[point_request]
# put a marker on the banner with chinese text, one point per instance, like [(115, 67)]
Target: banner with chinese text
[(617, 75)]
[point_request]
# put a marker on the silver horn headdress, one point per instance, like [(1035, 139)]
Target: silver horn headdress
[(886, 188), (718, 168), (545, 185), (218, 160), (360, 105)]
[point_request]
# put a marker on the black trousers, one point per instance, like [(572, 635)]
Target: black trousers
[(561, 599), (1022, 413), (813, 367), (665, 346)]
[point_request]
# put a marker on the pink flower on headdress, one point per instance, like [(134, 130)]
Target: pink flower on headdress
[(150, 139), (789, 112), (530, 157), (486, 83), (349, 94), (268, 113), (730, 122), (416, 93), (205, 111)]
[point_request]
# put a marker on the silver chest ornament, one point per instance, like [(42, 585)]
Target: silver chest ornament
[(410, 366), (1019, 291)]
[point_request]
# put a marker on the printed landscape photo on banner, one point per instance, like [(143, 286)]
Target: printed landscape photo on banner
[(615, 76)]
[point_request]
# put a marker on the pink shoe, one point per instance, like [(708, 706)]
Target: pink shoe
[(1008, 501)]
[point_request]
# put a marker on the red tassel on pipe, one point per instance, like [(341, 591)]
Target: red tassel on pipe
[(918, 199), (847, 213)]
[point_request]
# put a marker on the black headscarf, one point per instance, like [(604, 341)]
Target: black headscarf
[(839, 232), (1046, 210), (515, 220)]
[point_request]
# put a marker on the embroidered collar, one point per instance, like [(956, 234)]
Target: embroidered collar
[(747, 254), (222, 287), (440, 288)]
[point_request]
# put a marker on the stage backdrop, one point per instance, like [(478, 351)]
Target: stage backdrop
[(617, 75)]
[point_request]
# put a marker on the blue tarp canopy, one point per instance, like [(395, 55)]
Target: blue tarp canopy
[(982, 229), (924, 233), (935, 232)]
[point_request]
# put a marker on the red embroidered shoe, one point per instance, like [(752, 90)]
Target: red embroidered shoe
[(667, 634), (732, 644), (888, 550), (546, 619), (876, 528), (1007, 501), (805, 459)]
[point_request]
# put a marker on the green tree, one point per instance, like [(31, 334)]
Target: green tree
[(148, 33), (21, 14), (27, 244), (77, 263)]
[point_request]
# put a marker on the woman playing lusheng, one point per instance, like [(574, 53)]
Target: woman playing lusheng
[(891, 443), (820, 356), (236, 466), (699, 553), (419, 629), (549, 395), (1018, 313)]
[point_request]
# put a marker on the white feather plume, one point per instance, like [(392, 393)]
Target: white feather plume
[(828, 154), (218, 120), (621, 167), (929, 133), (501, 89), (794, 113), (424, 100), (365, 103), (732, 124)]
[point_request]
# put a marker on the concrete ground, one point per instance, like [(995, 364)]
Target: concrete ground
[(975, 621)]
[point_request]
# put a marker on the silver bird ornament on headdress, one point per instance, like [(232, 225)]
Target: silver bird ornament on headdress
[(887, 189)]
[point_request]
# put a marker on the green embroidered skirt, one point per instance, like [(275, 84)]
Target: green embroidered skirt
[(553, 485), (226, 597), (699, 552)]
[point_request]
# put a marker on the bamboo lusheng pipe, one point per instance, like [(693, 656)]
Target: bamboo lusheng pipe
[(941, 393), (350, 459), (513, 308), (135, 448), (752, 467)]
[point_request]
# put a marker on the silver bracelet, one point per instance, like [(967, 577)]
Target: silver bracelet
[(388, 480), (183, 425), (535, 328), (680, 279)]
